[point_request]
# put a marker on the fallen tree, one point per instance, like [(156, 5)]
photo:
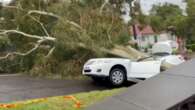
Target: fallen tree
[(62, 36)]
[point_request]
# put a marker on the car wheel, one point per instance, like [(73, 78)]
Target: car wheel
[(117, 77)]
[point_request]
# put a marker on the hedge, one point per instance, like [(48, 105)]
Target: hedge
[(191, 47)]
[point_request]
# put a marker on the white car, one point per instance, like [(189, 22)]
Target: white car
[(118, 70), (163, 51)]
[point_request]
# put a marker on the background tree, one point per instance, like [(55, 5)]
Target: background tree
[(163, 16), (190, 20)]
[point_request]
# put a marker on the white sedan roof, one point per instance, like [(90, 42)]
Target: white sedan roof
[(164, 47)]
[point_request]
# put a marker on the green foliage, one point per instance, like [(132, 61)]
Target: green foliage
[(123, 39), (191, 47), (95, 4), (163, 16), (16, 64), (81, 31), (182, 27), (191, 19), (189, 51), (4, 44), (32, 4), (166, 10), (62, 64), (96, 27), (156, 23)]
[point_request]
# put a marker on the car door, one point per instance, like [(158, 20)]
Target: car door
[(145, 69)]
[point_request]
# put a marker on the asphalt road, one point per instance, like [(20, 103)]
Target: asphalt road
[(17, 88)]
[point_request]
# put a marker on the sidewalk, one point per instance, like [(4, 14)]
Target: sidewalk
[(158, 93)]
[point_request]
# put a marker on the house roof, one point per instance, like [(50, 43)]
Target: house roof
[(146, 30)]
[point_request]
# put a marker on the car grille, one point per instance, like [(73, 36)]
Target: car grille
[(87, 71)]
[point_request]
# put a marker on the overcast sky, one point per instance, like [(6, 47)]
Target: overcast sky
[(146, 5), (5, 1)]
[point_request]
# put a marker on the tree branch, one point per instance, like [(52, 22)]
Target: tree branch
[(5, 32), (23, 54), (41, 39), (50, 52), (53, 15), (41, 24), (103, 5), (45, 14)]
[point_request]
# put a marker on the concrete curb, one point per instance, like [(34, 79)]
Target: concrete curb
[(5, 75)]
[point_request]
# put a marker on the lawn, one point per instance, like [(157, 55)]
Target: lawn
[(72, 102)]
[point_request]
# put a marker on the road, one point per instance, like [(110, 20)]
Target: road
[(20, 87)]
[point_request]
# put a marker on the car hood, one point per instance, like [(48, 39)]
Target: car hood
[(109, 59), (106, 60)]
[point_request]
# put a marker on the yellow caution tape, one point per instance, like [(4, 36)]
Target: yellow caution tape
[(77, 103)]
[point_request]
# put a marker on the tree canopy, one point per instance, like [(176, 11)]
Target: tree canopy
[(190, 27), (163, 16)]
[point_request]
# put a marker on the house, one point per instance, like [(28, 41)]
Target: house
[(146, 37)]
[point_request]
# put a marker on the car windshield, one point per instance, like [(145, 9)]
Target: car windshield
[(161, 54)]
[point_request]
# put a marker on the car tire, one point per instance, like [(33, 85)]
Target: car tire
[(117, 77)]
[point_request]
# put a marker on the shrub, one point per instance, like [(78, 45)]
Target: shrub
[(124, 38), (191, 47), (16, 64), (61, 63), (4, 44), (189, 51)]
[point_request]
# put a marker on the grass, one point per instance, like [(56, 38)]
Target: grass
[(62, 103)]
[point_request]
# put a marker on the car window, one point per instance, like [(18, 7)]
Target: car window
[(161, 54)]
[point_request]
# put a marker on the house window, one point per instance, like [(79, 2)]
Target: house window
[(155, 39), (143, 38)]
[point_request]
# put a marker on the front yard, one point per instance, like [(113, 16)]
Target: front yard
[(72, 102)]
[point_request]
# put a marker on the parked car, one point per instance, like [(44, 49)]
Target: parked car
[(118, 70), (163, 51)]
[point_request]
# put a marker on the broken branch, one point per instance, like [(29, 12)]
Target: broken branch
[(5, 32), (23, 54)]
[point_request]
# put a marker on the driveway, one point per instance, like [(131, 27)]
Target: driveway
[(19, 87)]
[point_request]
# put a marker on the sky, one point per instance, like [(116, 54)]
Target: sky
[(146, 5), (5, 1)]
